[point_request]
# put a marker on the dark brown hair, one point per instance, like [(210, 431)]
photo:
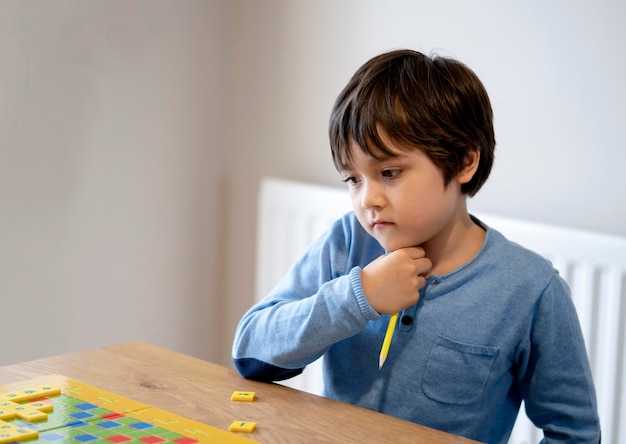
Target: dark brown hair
[(434, 104)]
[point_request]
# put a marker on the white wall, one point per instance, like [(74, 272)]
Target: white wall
[(554, 71), (111, 139)]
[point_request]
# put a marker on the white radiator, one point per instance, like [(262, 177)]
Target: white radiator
[(291, 215)]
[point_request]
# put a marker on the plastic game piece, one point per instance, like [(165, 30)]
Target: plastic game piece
[(242, 426), (41, 406), (10, 432), (242, 396), (30, 393), (6, 412), (30, 412)]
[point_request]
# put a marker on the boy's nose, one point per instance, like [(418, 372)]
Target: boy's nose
[(371, 197)]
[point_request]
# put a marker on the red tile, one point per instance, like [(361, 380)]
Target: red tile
[(152, 439), (118, 438), (112, 416)]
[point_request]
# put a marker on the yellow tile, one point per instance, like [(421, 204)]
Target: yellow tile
[(11, 396), (242, 396), (41, 406), (45, 391), (10, 433), (242, 426), (29, 414), (33, 411), (7, 409), (31, 393)]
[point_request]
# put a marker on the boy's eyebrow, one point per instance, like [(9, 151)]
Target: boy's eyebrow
[(373, 161), (387, 158)]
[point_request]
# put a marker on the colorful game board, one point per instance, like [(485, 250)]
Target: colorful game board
[(57, 410)]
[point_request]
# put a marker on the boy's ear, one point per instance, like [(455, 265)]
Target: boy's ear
[(470, 165)]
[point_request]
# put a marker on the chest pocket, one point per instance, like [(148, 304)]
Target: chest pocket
[(457, 373)]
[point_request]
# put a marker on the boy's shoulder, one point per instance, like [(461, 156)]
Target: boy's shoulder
[(515, 258)]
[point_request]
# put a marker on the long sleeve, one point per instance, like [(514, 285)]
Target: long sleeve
[(318, 303), (556, 381)]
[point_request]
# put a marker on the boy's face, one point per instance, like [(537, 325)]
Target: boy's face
[(402, 201)]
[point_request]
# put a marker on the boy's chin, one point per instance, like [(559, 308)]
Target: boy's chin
[(389, 245)]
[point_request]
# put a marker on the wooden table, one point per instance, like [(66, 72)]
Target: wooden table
[(201, 391)]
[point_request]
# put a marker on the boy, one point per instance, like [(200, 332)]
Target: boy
[(483, 323)]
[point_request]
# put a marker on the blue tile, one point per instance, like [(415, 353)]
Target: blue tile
[(109, 424), (82, 415), (142, 425), (86, 406), (85, 438)]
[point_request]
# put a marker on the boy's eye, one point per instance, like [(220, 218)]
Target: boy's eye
[(390, 174), (351, 180)]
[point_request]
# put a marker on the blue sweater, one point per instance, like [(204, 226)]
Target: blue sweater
[(482, 338)]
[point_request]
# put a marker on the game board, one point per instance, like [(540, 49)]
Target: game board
[(58, 410)]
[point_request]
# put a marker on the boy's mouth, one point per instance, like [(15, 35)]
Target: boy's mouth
[(379, 224)]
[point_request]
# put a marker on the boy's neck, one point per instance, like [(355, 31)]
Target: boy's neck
[(455, 245)]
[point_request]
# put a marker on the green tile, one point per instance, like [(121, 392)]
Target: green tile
[(101, 411), (127, 420)]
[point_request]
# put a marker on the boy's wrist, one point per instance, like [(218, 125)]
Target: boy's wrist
[(357, 288)]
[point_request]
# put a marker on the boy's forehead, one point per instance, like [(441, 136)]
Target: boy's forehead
[(370, 155), (371, 150)]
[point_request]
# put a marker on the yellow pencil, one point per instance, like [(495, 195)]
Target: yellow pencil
[(387, 341)]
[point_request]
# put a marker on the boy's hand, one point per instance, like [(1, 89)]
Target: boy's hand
[(391, 282)]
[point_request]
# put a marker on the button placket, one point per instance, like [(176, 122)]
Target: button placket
[(407, 318)]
